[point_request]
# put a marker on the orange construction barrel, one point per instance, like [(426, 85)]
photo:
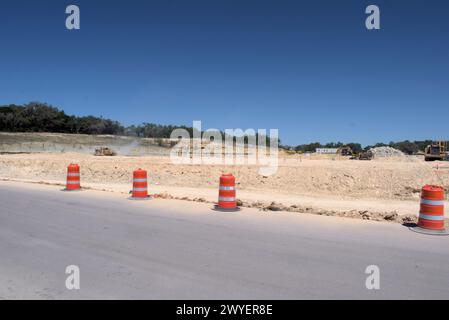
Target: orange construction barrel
[(73, 177), (227, 200), (140, 184), (431, 213)]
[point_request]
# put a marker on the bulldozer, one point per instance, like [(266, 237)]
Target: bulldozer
[(105, 152), (364, 155), (345, 151), (438, 150)]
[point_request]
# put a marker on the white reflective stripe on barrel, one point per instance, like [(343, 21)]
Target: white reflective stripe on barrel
[(71, 174), (73, 182), (140, 189), (429, 217), (140, 180), (226, 188), (433, 202), (227, 199)]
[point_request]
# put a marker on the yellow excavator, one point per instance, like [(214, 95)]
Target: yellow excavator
[(438, 150)]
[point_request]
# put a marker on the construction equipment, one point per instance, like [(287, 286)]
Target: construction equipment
[(364, 155), (105, 152), (438, 150), (345, 151)]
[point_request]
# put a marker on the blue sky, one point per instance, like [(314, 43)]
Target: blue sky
[(309, 68)]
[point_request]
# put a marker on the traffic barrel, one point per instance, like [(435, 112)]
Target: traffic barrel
[(140, 185), (73, 178), (431, 213), (227, 200)]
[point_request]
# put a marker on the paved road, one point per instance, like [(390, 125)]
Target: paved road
[(179, 250)]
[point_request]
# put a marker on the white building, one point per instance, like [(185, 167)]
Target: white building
[(327, 150)]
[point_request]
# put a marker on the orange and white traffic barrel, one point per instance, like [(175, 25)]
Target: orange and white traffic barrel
[(73, 178), (431, 213), (227, 200), (140, 185)]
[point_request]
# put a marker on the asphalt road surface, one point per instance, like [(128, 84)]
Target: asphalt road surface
[(166, 249)]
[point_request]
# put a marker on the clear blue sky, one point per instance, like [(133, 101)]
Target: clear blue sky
[(309, 68)]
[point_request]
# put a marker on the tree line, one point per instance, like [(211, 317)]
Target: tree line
[(311, 147), (408, 147), (42, 117)]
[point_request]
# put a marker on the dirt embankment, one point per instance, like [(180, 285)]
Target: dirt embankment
[(345, 179), (386, 188), (375, 190)]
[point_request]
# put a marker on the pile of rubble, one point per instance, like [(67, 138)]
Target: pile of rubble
[(390, 216), (381, 152)]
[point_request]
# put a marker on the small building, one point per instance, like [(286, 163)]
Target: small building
[(327, 150)]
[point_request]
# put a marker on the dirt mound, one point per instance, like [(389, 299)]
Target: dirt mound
[(338, 179), (386, 152)]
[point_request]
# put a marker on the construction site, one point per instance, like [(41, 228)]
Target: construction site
[(212, 152), (381, 184)]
